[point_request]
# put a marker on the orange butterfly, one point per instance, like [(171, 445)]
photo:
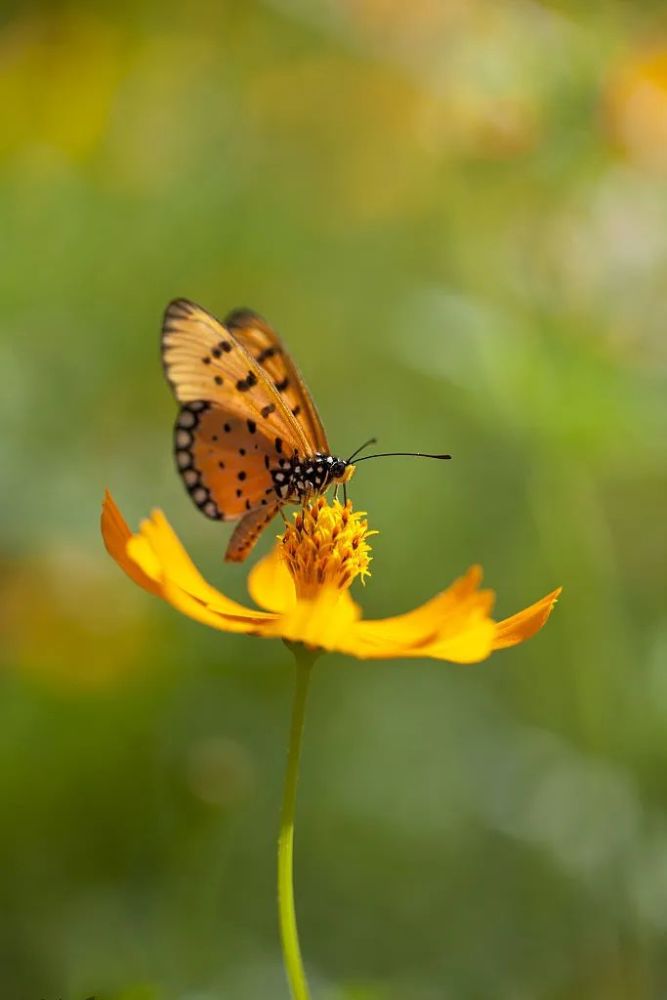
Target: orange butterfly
[(248, 438)]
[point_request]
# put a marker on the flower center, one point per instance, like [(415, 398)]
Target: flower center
[(326, 546)]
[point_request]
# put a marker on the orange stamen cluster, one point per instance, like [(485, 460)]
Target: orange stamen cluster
[(327, 546)]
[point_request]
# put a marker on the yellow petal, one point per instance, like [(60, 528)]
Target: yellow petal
[(116, 535), (521, 626), (208, 614), (455, 625), (270, 583), (155, 559), (428, 618), (470, 642), (140, 552), (320, 621), (175, 564)]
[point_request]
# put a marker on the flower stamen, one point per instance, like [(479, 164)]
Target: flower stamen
[(326, 546)]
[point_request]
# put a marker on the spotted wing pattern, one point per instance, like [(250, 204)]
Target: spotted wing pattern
[(204, 362), (225, 463), (237, 429), (266, 347)]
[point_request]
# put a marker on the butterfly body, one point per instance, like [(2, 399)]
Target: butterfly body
[(248, 438), (301, 478)]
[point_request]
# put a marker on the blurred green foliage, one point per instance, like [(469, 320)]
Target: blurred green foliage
[(456, 214)]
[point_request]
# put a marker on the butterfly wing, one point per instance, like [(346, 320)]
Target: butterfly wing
[(266, 347), (234, 426), (204, 362), (225, 463), (225, 466)]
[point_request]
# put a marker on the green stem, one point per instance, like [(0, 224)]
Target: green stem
[(289, 934)]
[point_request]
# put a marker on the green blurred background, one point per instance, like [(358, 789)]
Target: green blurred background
[(456, 214)]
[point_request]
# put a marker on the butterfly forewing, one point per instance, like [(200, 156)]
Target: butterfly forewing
[(266, 347), (204, 361)]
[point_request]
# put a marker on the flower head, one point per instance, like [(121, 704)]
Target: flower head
[(326, 547), (302, 591)]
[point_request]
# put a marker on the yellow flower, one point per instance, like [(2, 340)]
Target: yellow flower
[(303, 589), (635, 105)]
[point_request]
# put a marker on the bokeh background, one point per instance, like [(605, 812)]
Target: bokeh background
[(456, 214)]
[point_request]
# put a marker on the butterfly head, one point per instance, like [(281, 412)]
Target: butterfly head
[(341, 471)]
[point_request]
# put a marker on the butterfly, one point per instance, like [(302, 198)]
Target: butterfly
[(248, 438)]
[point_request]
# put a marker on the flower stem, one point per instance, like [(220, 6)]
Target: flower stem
[(289, 934)]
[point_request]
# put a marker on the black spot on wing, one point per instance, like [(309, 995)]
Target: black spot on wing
[(267, 353), (246, 383)]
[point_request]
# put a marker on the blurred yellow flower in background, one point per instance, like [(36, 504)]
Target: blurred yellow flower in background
[(636, 106), (303, 585), (53, 63)]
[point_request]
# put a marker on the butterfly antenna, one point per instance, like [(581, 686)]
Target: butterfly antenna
[(415, 454), (361, 448)]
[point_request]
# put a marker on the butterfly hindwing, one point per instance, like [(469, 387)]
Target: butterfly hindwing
[(266, 347), (225, 462)]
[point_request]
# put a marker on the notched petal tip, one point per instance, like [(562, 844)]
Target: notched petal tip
[(521, 626)]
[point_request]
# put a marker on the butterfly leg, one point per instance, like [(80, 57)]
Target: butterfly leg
[(345, 494)]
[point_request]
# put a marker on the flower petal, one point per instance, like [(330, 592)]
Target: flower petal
[(521, 626), (155, 559), (116, 535), (321, 621), (208, 614), (173, 562), (455, 625), (270, 583)]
